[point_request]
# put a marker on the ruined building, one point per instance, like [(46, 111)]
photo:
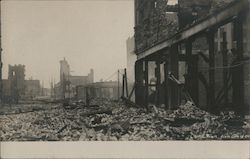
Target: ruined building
[(83, 87), (16, 77), (66, 88), (75, 80), (153, 24), (16, 87), (107, 89), (32, 88), (202, 57), (64, 69)]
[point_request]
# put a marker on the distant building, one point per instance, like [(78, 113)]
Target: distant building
[(108, 90), (64, 69), (6, 89), (16, 87), (66, 88), (17, 78), (46, 92), (32, 88)]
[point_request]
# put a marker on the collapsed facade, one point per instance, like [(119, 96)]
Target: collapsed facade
[(203, 56), (107, 89), (66, 88), (17, 87), (16, 76), (33, 88)]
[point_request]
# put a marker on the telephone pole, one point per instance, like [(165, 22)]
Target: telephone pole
[(118, 83)]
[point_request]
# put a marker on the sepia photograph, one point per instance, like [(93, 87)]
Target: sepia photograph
[(124, 70)]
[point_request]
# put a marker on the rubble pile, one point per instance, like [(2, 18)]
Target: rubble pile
[(192, 123), (24, 108), (106, 120)]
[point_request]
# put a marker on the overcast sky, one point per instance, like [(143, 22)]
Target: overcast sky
[(88, 33)]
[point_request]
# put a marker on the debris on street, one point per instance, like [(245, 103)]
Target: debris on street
[(106, 120)]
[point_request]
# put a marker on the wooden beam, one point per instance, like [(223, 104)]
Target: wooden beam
[(188, 79), (225, 65), (123, 85), (206, 85), (146, 84), (237, 72), (210, 39), (126, 81), (118, 84), (204, 57), (166, 86), (131, 93), (139, 85), (174, 69), (192, 72), (158, 81)]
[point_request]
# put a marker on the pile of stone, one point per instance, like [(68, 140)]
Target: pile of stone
[(106, 120)]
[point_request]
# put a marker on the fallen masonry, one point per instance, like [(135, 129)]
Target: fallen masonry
[(106, 120)]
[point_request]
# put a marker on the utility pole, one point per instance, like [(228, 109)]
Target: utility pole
[(42, 89), (54, 89), (51, 88), (68, 84), (126, 81), (63, 85), (118, 84)]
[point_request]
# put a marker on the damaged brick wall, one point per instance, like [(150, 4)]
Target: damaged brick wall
[(191, 10), (156, 21), (153, 24), (17, 78)]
